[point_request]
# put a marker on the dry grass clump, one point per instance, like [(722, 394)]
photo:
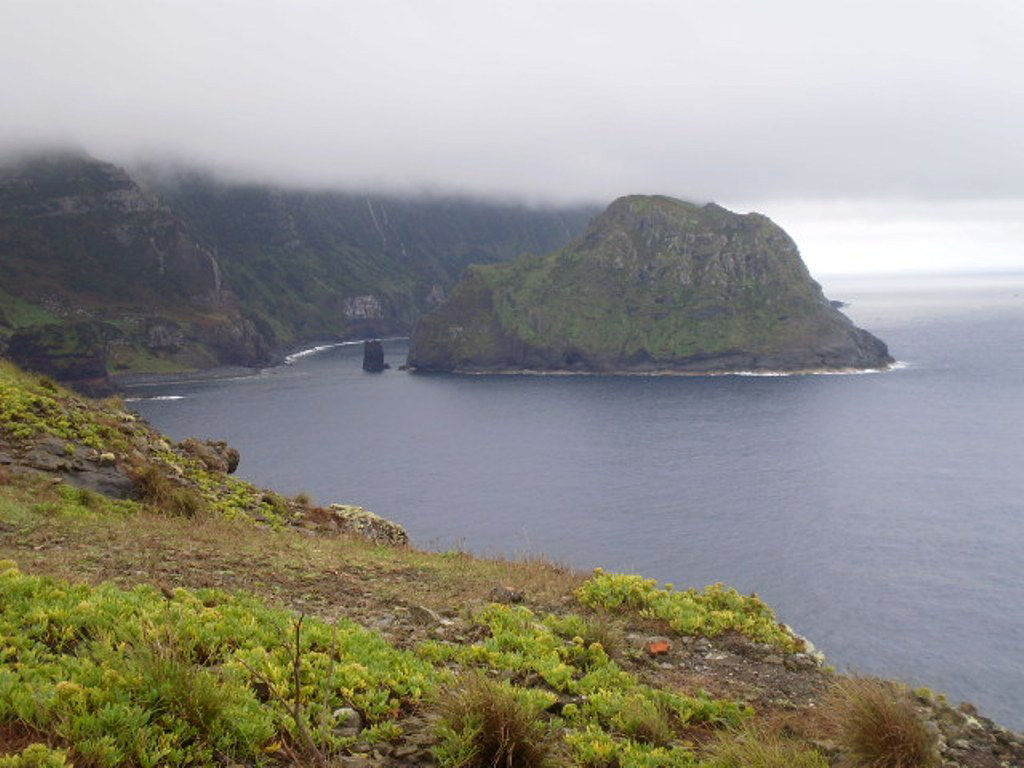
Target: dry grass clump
[(154, 487), (644, 720), (878, 727), (750, 748), (486, 724)]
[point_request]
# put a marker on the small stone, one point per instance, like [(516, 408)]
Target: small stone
[(347, 722), (773, 658), (826, 746), (801, 661), (423, 615), (503, 594)]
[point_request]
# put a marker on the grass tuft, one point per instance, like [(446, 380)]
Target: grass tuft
[(486, 724), (645, 720), (750, 748), (155, 488), (878, 726)]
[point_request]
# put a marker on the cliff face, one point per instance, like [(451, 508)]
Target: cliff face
[(84, 228), (98, 275), (654, 284), (329, 263), (101, 274)]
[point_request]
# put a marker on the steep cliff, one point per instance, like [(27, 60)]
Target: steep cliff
[(99, 273), (328, 263), (654, 284)]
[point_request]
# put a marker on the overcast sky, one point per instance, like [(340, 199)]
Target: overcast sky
[(884, 134)]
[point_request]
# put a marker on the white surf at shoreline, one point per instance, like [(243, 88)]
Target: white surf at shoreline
[(289, 359), (899, 365), (155, 397)]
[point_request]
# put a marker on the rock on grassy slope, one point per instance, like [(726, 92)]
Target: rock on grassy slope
[(239, 627), (654, 284)]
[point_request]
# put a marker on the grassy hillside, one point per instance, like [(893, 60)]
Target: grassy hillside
[(198, 620)]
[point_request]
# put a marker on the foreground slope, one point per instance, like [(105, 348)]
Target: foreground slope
[(198, 620), (654, 284)]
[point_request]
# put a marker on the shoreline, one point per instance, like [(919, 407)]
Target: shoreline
[(898, 365), (129, 381)]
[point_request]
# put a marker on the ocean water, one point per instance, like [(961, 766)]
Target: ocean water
[(881, 514)]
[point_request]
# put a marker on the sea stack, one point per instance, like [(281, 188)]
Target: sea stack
[(653, 285), (373, 356)]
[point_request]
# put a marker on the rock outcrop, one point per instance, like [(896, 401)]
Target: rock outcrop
[(373, 357), (356, 521), (216, 455), (74, 352), (653, 285)]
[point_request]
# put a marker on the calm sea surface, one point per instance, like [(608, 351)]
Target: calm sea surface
[(882, 515)]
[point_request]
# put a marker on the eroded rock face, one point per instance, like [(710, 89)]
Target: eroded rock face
[(73, 463), (363, 308), (361, 522), (73, 352), (90, 229), (653, 285), (239, 340)]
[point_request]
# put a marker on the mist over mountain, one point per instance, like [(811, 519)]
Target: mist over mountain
[(102, 274)]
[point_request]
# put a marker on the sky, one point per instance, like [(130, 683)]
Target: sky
[(883, 134)]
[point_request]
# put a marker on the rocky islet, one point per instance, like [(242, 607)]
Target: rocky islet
[(655, 285)]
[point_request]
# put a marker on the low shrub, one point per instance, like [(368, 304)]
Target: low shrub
[(140, 677), (878, 727), (605, 712), (36, 756), (710, 612)]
